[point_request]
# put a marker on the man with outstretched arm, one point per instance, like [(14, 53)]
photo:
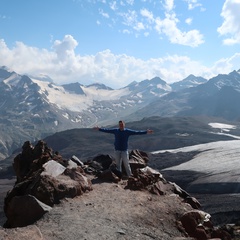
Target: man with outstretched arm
[(121, 143)]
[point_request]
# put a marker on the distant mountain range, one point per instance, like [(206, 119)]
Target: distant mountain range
[(32, 108)]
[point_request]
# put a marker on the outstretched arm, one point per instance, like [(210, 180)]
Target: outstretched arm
[(106, 130), (139, 132)]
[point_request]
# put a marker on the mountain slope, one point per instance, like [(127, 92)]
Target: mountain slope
[(169, 133), (218, 97), (190, 81), (33, 108), (36, 108)]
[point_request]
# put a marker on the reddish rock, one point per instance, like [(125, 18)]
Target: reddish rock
[(24, 210), (138, 159), (42, 177), (197, 224)]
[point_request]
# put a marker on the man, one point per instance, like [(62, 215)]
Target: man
[(121, 144)]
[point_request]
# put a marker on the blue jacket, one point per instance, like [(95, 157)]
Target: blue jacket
[(121, 137)]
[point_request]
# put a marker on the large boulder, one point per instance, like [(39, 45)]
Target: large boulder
[(99, 164), (43, 179), (25, 210), (198, 225), (138, 159), (104, 167), (23, 162)]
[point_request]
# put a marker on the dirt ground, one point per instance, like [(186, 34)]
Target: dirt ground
[(109, 211)]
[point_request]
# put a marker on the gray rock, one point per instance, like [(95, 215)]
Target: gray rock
[(25, 210)]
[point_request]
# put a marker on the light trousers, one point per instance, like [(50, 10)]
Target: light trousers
[(123, 157)]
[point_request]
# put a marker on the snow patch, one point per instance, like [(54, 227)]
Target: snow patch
[(75, 102), (214, 158), (222, 126), (66, 115)]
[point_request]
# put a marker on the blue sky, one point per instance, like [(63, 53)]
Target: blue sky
[(117, 42)]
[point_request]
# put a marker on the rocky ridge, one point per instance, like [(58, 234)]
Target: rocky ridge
[(94, 201)]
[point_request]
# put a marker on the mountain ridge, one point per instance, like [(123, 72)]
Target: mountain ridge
[(36, 108)]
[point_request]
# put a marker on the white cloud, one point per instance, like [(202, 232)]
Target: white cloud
[(130, 2), (193, 4), (113, 5), (188, 21), (147, 14), (139, 26), (230, 27), (129, 18), (169, 5), (168, 26), (226, 65), (102, 13), (143, 22), (63, 65), (126, 31), (65, 48)]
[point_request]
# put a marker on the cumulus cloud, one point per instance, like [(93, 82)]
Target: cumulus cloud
[(169, 5), (65, 48), (225, 65), (169, 27), (231, 19), (63, 65)]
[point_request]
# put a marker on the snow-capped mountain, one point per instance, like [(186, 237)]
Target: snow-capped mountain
[(36, 107), (218, 97), (41, 77), (74, 105), (190, 81)]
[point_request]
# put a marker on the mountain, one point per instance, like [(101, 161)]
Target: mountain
[(75, 88), (156, 86), (190, 81), (33, 108), (215, 98), (41, 77), (100, 86)]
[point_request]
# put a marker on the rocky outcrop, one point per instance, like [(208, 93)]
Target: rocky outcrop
[(104, 167), (43, 179), (196, 223)]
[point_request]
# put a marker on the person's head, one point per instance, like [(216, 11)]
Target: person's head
[(121, 124)]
